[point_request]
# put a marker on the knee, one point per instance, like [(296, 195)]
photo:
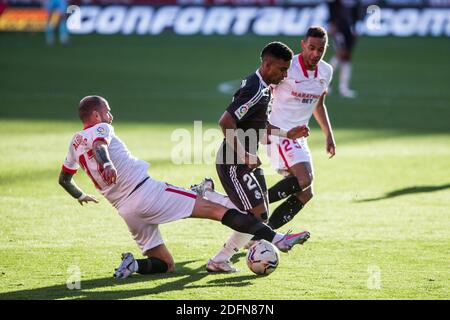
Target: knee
[(304, 181), (207, 209), (260, 212), (309, 194)]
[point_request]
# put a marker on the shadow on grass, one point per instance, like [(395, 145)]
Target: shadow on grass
[(237, 256), (183, 278), (410, 190)]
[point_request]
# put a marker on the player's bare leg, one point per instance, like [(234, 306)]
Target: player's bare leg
[(303, 172)]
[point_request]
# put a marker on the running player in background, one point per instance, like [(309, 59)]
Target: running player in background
[(58, 8), (141, 201), (343, 17)]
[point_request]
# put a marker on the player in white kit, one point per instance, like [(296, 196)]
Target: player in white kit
[(295, 100), (141, 201)]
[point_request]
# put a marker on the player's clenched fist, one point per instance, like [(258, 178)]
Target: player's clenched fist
[(110, 173), (331, 146)]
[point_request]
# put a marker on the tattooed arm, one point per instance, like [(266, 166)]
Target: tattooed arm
[(66, 181), (101, 155)]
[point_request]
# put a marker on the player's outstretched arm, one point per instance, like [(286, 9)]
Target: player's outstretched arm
[(66, 181), (321, 116)]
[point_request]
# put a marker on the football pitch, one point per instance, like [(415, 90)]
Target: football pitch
[(379, 220)]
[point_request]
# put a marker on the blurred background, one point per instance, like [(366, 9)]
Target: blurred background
[(146, 54)]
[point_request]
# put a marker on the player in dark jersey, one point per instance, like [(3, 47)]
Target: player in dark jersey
[(343, 17), (243, 124)]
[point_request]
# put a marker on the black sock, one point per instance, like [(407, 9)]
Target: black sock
[(284, 188), (247, 223), (285, 212), (151, 265)]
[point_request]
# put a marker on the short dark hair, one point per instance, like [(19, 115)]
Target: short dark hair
[(87, 105), (278, 50), (317, 32)]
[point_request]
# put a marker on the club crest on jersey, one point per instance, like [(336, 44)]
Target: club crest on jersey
[(258, 194), (101, 131), (241, 111), (323, 83)]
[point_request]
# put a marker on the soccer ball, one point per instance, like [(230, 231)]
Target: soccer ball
[(262, 258)]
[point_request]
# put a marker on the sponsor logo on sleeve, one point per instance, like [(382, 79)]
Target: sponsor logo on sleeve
[(101, 131), (241, 111)]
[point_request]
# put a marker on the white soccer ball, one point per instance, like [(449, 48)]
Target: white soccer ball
[(263, 258)]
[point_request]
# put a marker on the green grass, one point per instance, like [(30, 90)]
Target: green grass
[(381, 203)]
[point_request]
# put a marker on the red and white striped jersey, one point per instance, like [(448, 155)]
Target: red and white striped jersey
[(130, 170), (296, 97)]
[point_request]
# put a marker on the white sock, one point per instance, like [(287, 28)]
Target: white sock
[(238, 239), (219, 198), (235, 242), (278, 237), (346, 73), (334, 62)]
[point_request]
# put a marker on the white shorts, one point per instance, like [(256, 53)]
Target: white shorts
[(284, 153), (154, 203)]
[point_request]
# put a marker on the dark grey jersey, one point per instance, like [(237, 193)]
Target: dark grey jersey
[(249, 109)]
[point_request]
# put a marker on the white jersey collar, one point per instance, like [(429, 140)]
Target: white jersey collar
[(303, 67)]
